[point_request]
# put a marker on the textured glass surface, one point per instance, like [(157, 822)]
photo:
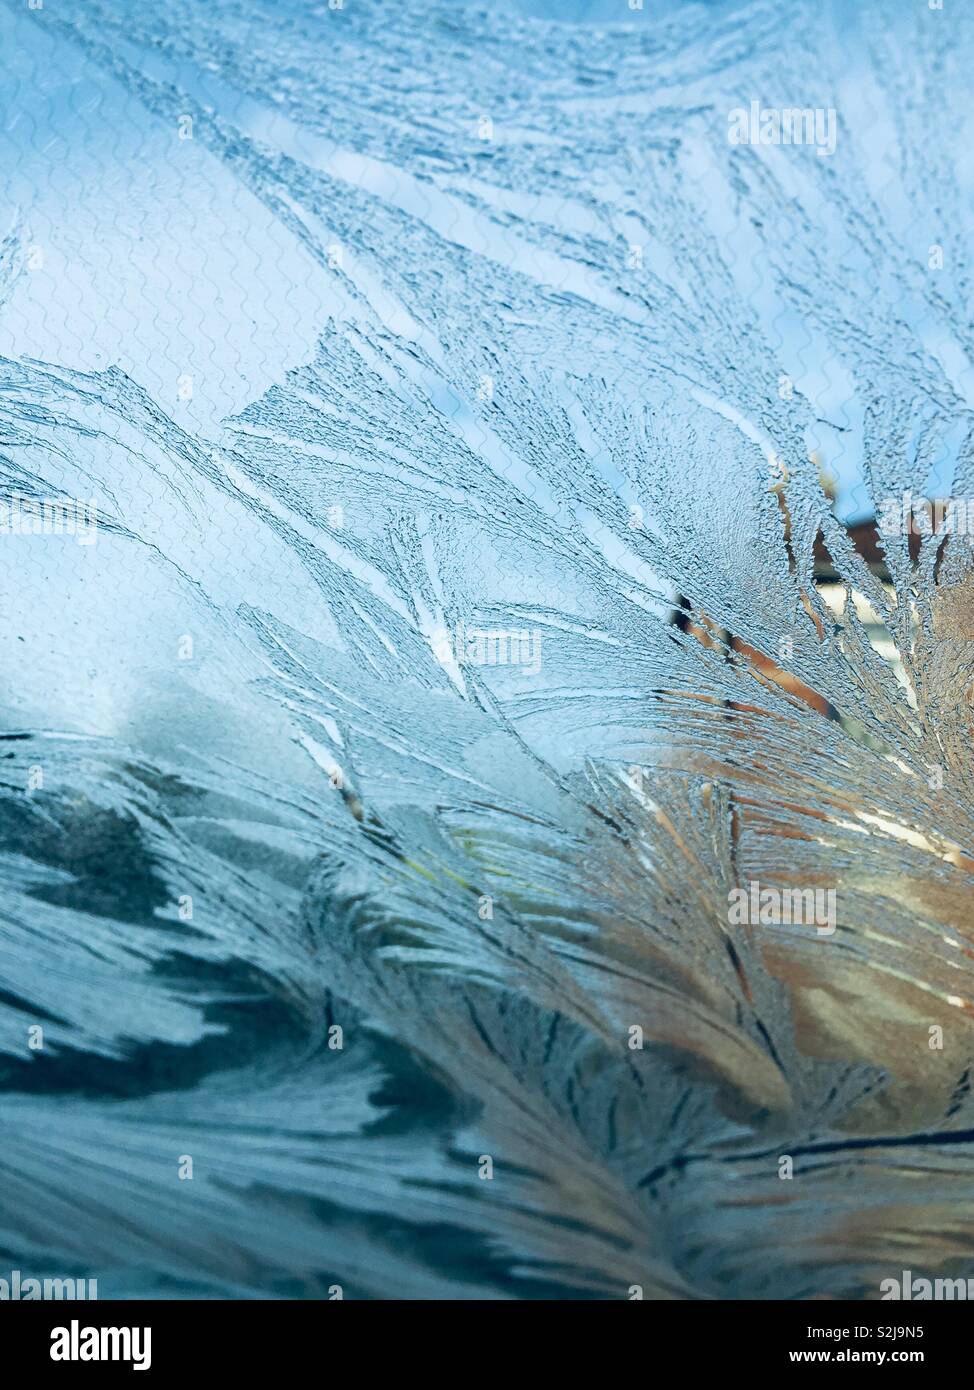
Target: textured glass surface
[(486, 683)]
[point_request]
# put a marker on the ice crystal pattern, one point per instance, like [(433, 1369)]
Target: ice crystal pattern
[(483, 449)]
